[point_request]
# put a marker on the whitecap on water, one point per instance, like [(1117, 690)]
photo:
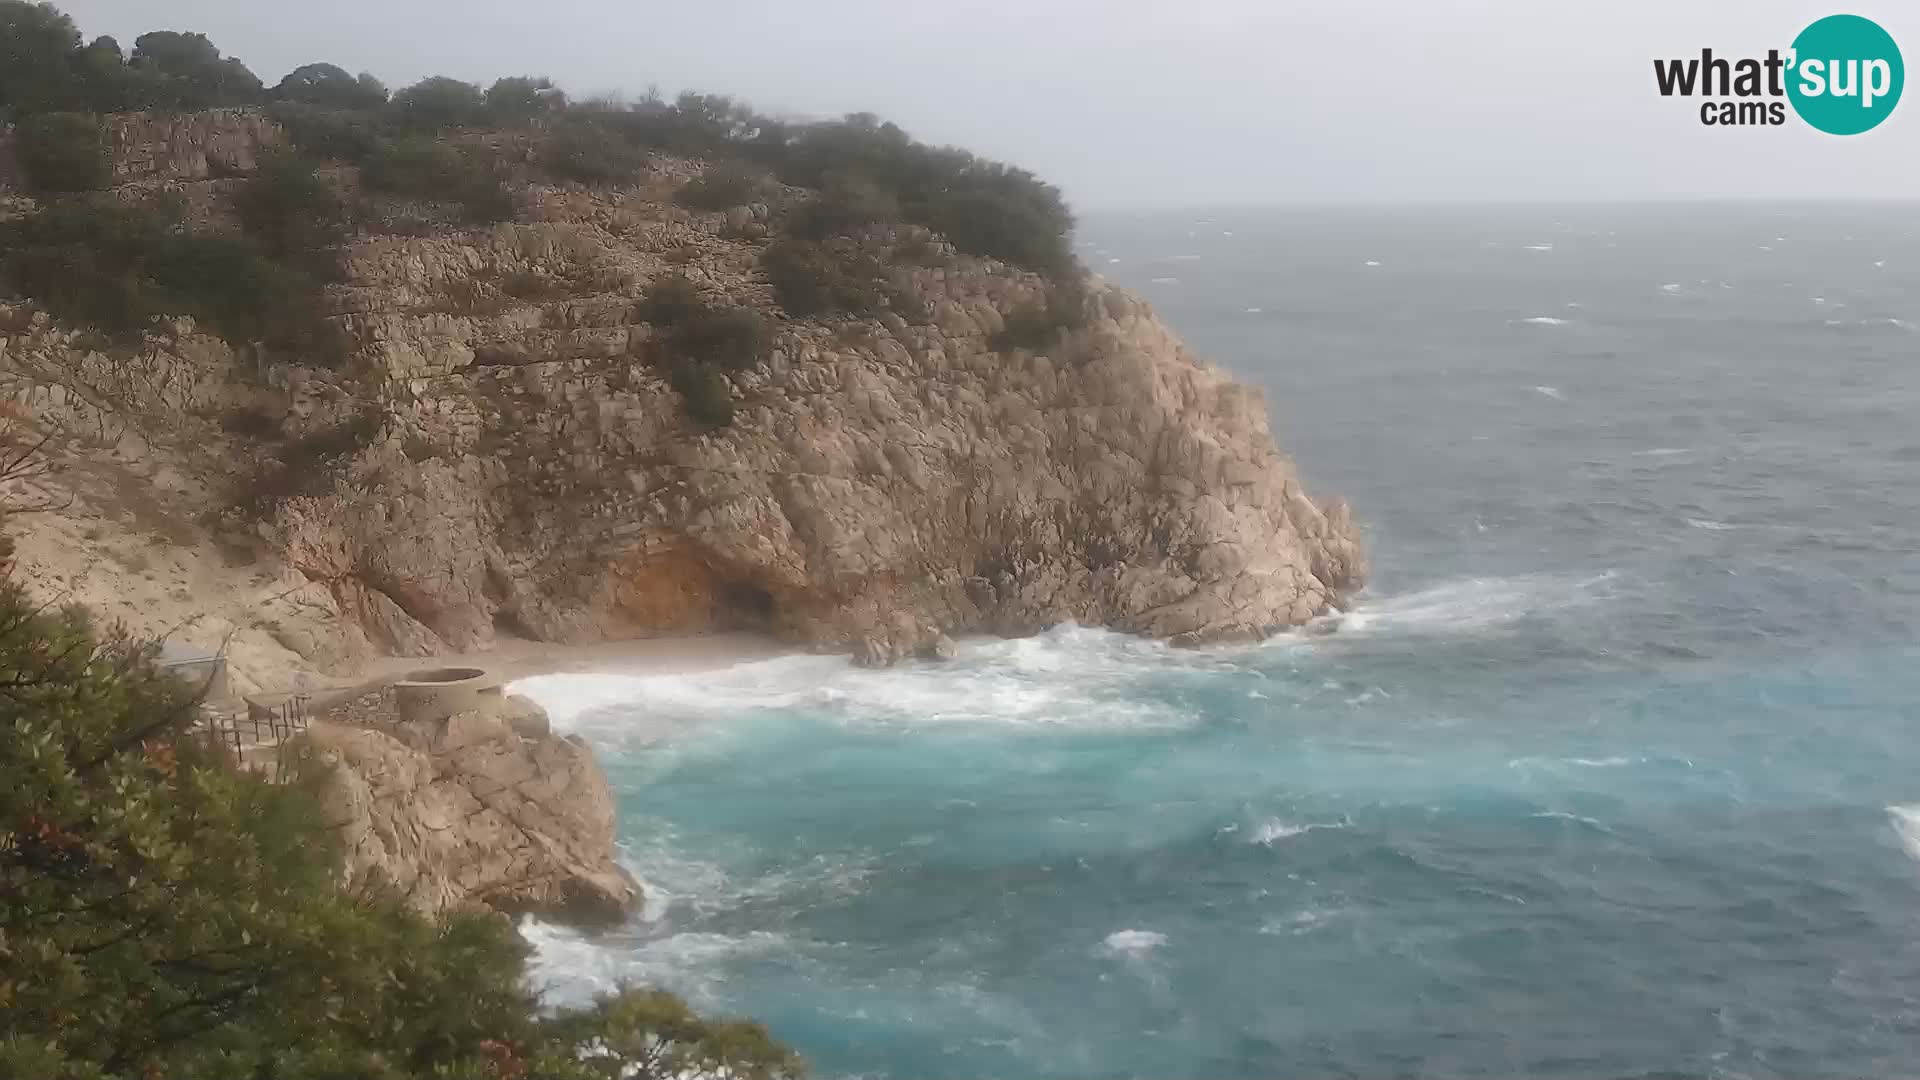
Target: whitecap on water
[(1550, 391), (1712, 526), (1906, 822), (1544, 320), (1539, 247), (1165, 280), (1373, 262), (1472, 605), (1670, 288), (1135, 942), (1273, 830)]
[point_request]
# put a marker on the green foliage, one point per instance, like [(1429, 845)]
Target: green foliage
[(730, 338), (185, 72), (163, 914), (117, 268), (720, 188), (289, 211), (701, 342), (64, 152), (705, 393), (424, 169), (589, 153), (331, 87), (837, 275), (36, 45), (848, 203), (521, 98), (983, 207), (331, 134), (439, 103), (670, 301)]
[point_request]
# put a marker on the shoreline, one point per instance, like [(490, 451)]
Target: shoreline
[(512, 660)]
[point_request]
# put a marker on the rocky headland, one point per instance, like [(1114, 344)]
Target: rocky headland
[(497, 451)]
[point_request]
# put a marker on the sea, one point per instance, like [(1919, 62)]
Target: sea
[(1612, 771)]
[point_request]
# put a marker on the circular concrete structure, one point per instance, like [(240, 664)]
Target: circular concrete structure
[(433, 694)]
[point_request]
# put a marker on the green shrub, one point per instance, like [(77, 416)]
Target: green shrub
[(848, 203), (983, 207), (1031, 326), (116, 268), (670, 301), (427, 170), (590, 154), (331, 87), (720, 188), (166, 914), (64, 152), (727, 338), (837, 275), (184, 72), (438, 103), (730, 338), (289, 211), (704, 393), (331, 134), (519, 98)]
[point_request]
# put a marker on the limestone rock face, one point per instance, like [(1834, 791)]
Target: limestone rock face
[(470, 811), (524, 467), (881, 488), (159, 146)]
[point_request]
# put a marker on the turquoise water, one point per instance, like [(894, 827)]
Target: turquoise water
[(1615, 771)]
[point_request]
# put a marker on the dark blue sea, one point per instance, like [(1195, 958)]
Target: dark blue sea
[(1614, 771)]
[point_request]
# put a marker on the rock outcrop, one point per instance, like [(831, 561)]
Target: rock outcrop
[(475, 810), (519, 464)]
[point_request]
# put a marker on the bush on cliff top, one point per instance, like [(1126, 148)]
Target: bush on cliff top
[(117, 268), (166, 915), (64, 152)]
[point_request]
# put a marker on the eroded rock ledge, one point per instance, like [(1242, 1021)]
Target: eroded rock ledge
[(473, 810)]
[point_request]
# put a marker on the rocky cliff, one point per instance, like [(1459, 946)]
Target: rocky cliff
[(474, 810), (506, 458)]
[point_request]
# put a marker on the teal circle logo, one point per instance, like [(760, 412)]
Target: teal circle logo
[(1846, 75)]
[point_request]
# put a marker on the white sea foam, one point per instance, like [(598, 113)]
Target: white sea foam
[(1254, 310), (1472, 605), (570, 968), (1663, 451), (1273, 830), (1135, 942), (1906, 823), (1186, 258), (1562, 815), (1544, 320), (1670, 288), (1539, 247), (1712, 526), (1112, 261), (1879, 263), (1550, 391), (1373, 262), (1165, 280), (1015, 683)]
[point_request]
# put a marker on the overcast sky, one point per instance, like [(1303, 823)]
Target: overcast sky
[(1158, 102)]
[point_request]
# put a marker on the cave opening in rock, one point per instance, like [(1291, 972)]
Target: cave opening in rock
[(743, 605), (507, 624)]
